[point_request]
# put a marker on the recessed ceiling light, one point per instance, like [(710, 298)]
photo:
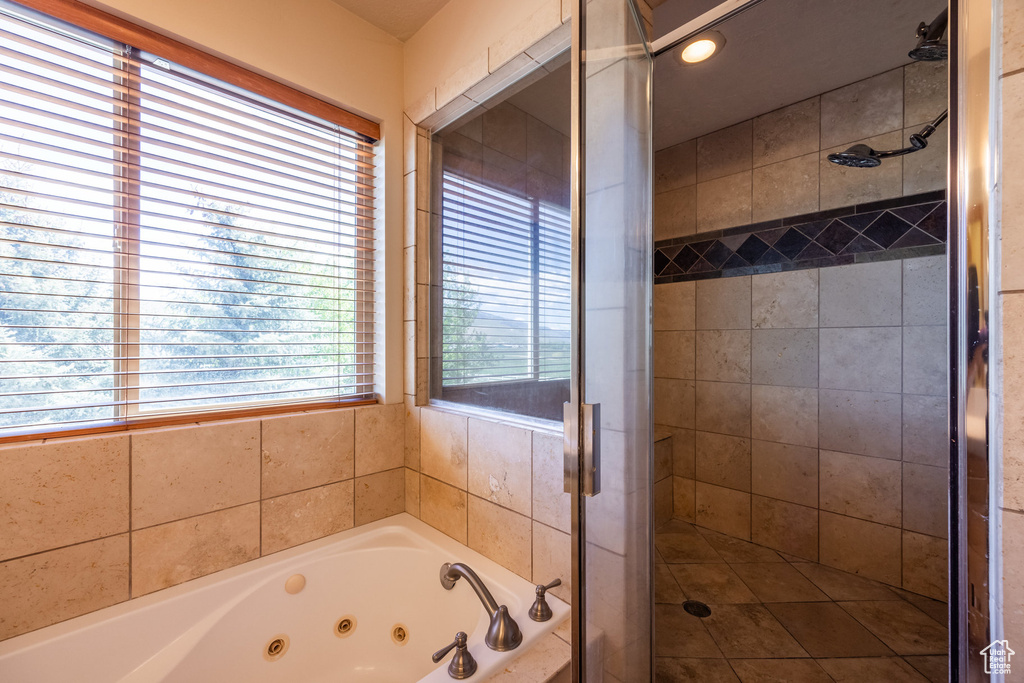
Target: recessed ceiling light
[(702, 47)]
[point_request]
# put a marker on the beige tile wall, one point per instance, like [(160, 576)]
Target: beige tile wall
[(809, 414), (497, 487), (1011, 321), (775, 165), (664, 501), (92, 521), (521, 49), (808, 408), (492, 484)]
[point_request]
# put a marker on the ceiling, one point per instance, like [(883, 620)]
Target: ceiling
[(777, 53), (400, 18)]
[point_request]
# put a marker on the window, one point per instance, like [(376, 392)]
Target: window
[(502, 316), (169, 242), (504, 263)]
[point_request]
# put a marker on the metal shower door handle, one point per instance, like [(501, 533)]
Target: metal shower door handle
[(591, 474), (569, 439)]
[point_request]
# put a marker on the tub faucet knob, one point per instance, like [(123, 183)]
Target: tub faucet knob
[(541, 611), (462, 665)]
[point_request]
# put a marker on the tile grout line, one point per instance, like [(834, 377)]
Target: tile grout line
[(817, 487), (903, 360), (533, 559), (65, 547), (130, 533), (260, 454), (750, 425)]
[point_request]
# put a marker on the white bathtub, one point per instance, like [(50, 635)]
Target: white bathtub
[(216, 629)]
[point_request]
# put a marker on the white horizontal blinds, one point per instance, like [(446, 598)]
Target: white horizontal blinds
[(255, 251), (502, 313), (554, 291), (59, 107), (167, 244)]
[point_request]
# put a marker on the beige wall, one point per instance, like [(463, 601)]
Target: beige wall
[(92, 521), (1010, 302), (320, 48), (472, 38), (809, 422), (776, 165)]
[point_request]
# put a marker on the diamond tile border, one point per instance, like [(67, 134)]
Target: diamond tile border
[(900, 228)]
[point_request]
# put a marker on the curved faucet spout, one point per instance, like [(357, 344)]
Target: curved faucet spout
[(450, 573), (503, 633)]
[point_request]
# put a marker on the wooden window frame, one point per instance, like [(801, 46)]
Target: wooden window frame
[(147, 40), (190, 418)]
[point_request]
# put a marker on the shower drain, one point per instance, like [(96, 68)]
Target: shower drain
[(697, 608)]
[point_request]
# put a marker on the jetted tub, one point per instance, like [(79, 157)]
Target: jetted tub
[(383, 578)]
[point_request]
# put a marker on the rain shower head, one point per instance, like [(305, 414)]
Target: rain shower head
[(862, 156), (858, 156), (930, 47)]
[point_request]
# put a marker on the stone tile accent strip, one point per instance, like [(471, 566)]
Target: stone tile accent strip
[(879, 231)]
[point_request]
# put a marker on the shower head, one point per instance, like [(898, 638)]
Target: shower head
[(858, 156), (862, 156), (930, 47)]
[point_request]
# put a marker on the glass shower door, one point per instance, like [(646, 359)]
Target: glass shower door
[(608, 444)]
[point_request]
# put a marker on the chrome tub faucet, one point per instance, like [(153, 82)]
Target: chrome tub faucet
[(503, 634)]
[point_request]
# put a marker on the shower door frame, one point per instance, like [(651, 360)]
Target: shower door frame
[(576, 442), (975, 591)]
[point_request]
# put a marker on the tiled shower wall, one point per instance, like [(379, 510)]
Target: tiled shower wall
[(809, 413), (776, 165), (92, 521), (808, 407)]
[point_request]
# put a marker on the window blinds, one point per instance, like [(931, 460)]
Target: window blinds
[(169, 243), (505, 286)]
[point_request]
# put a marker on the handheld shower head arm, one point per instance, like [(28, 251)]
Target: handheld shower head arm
[(887, 154), (934, 30), (918, 140)]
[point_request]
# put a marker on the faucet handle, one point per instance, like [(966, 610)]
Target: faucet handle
[(541, 611), (462, 665), (542, 589)]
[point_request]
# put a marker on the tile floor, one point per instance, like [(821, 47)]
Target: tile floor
[(780, 618)]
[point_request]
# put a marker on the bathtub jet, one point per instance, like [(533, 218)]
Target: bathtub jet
[(503, 634)]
